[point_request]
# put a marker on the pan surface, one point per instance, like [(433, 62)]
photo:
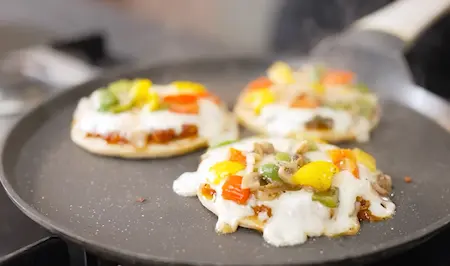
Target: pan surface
[(92, 200)]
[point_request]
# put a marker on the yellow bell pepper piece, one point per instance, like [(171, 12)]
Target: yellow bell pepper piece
[(318, 175), (259, 98), (140, 91), (152, 102), (366, 159), (281, 73), (318, 87), (189, 86), (224, 169), (317, 140)]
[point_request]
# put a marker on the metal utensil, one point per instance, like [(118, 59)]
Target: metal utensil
[(373, 45)]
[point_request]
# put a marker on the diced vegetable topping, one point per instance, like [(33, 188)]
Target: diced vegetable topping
[(318, 140), (328, 198), (189, 108), (232, 190), (208, 192), (260, 98), (182, 103), (269, 172), (223, 169), (180, 99), (312, 146), (123, 95), (362, 88), (189, 87), (139, 92), (209, 96), (308, 145), (305, 101), (118, 108), (262, 148), (317, 174), (260, 83), (152, 103), (128, 94), (106, 99), (345, 159), (120, 87), (224, 143), (282, 156), (281, 73), (319, 88), (316, 73), (338, 77), (366, 159), (237, 156)]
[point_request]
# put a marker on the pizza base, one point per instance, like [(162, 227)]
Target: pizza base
[(101, 147), (247, 222), (248, 119)]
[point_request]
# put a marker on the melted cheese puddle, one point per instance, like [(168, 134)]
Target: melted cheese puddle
[(281, 121), (213, 122), (295, 217)]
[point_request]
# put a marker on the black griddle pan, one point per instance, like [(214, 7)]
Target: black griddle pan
[(92, 200)]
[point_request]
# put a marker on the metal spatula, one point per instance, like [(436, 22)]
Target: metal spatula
[(373, 45)]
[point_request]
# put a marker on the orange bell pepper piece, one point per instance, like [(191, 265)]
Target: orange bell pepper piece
[(237, 156), (305, 101), (345, 159), (190, 108), (260, 83), (338, 77), (182, 103), (231, 190), (180, 99), (210, 96)]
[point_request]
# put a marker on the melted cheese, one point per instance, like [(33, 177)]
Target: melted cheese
[(212, 121), (295, 217), (281, 120)]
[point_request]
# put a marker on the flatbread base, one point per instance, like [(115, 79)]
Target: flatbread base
[(246, 222), (247, 119), (101, 147)]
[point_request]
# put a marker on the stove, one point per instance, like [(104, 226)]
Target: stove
[(52, 251)]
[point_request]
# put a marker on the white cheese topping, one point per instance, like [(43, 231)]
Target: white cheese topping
[(281, 120), (295, 216)]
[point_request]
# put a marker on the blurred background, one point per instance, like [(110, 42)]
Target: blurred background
[(110, 33)]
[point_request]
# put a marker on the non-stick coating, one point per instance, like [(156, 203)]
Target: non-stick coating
[(92, 200)]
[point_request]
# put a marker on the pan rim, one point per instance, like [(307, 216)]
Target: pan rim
[(55, 227)]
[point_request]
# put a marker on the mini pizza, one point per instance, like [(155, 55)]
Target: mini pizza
[(314, 101), (289, 189), (138, 119)]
